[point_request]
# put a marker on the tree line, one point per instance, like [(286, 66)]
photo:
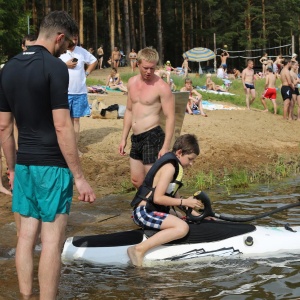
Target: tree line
[(171, 26)]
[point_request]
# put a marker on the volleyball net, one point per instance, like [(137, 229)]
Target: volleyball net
[(284, 50)]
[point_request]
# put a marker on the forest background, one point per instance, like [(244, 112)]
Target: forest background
[(246, 28)]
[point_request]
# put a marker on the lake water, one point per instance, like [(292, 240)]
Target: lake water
[(227, 278)]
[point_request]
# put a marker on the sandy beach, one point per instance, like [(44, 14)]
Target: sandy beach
[(228, 138)]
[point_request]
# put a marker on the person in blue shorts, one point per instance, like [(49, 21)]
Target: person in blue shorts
[(33, 90), (158, 193), (76, 58)]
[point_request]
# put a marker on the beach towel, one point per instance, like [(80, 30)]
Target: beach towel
[(201, 89), (216, 106)]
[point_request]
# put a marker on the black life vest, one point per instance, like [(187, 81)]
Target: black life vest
[(146, 190)]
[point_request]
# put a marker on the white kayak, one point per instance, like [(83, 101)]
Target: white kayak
[(207, 239)]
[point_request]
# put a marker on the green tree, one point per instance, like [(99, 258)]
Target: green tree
[(13, 24)]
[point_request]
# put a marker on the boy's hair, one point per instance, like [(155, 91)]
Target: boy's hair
[(59, 21), (285, 61), (149, 54), (188, 80), (187, 143), (28, 37)]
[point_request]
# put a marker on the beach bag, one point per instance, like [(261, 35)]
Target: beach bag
[(121, 111)]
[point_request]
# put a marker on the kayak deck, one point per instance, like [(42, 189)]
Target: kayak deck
[(207, 239)]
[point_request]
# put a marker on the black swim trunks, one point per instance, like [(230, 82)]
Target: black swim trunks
[(286, 92), (145, 146), (250, 86), (295, 91)]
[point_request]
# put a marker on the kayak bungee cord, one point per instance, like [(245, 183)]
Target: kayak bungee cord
[(208, 212)]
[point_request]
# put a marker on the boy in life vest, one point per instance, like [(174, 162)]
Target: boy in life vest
[(158, 193)]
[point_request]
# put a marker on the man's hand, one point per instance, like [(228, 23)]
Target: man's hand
[(86, 193), (71, 64), (122, 148)]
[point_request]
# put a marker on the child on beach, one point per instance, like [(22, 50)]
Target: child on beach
[(195, 98), (270, 90), (158, 193)]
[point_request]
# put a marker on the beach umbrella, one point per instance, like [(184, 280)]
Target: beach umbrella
[(199, 54)]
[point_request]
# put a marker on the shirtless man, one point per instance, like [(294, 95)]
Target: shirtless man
[(224, 57), (270, 90), (185, 67), (115, 58), (278, 64), (148, 95), (248, 83), (287, 87), (295, 93)]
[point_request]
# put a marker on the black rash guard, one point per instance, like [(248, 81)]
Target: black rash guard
[(32, 84)]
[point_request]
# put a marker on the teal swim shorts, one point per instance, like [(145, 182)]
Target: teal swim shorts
[(42, 192)]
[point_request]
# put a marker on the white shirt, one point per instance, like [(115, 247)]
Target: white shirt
[(220, 73), (77, 77)]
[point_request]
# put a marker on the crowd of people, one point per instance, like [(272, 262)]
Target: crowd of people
[(47, 163)]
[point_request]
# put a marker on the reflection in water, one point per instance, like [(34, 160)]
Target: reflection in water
[(230, 278)]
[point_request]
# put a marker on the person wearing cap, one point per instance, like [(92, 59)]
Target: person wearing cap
[(270, 90), (169, 67)]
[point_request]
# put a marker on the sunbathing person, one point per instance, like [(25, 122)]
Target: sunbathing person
[(114, 81), (195, 98), (210, 85)]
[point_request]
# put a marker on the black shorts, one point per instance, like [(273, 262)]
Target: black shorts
[(295, 91), (286, 92), (250, 86), (145, 146)]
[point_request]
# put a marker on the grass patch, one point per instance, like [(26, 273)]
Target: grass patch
[(94, 81), (237, 179)]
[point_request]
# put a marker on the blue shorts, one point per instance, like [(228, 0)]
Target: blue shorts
[(42, 192), (148, 219), (79, 105)]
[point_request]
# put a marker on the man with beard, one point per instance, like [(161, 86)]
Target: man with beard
[(148, 95), (34, 91)]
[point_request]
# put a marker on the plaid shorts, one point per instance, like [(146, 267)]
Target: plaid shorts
[(79, 106), (145, 146), (148, 219)]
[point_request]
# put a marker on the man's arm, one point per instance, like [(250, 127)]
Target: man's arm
[(168, 108), (127, 122), (91, 68), (7, 142), (67, 144), (243, 77)]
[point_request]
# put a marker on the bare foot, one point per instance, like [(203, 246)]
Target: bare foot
[(136, 259), (204, 115), (265, 110), (4, 190)]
